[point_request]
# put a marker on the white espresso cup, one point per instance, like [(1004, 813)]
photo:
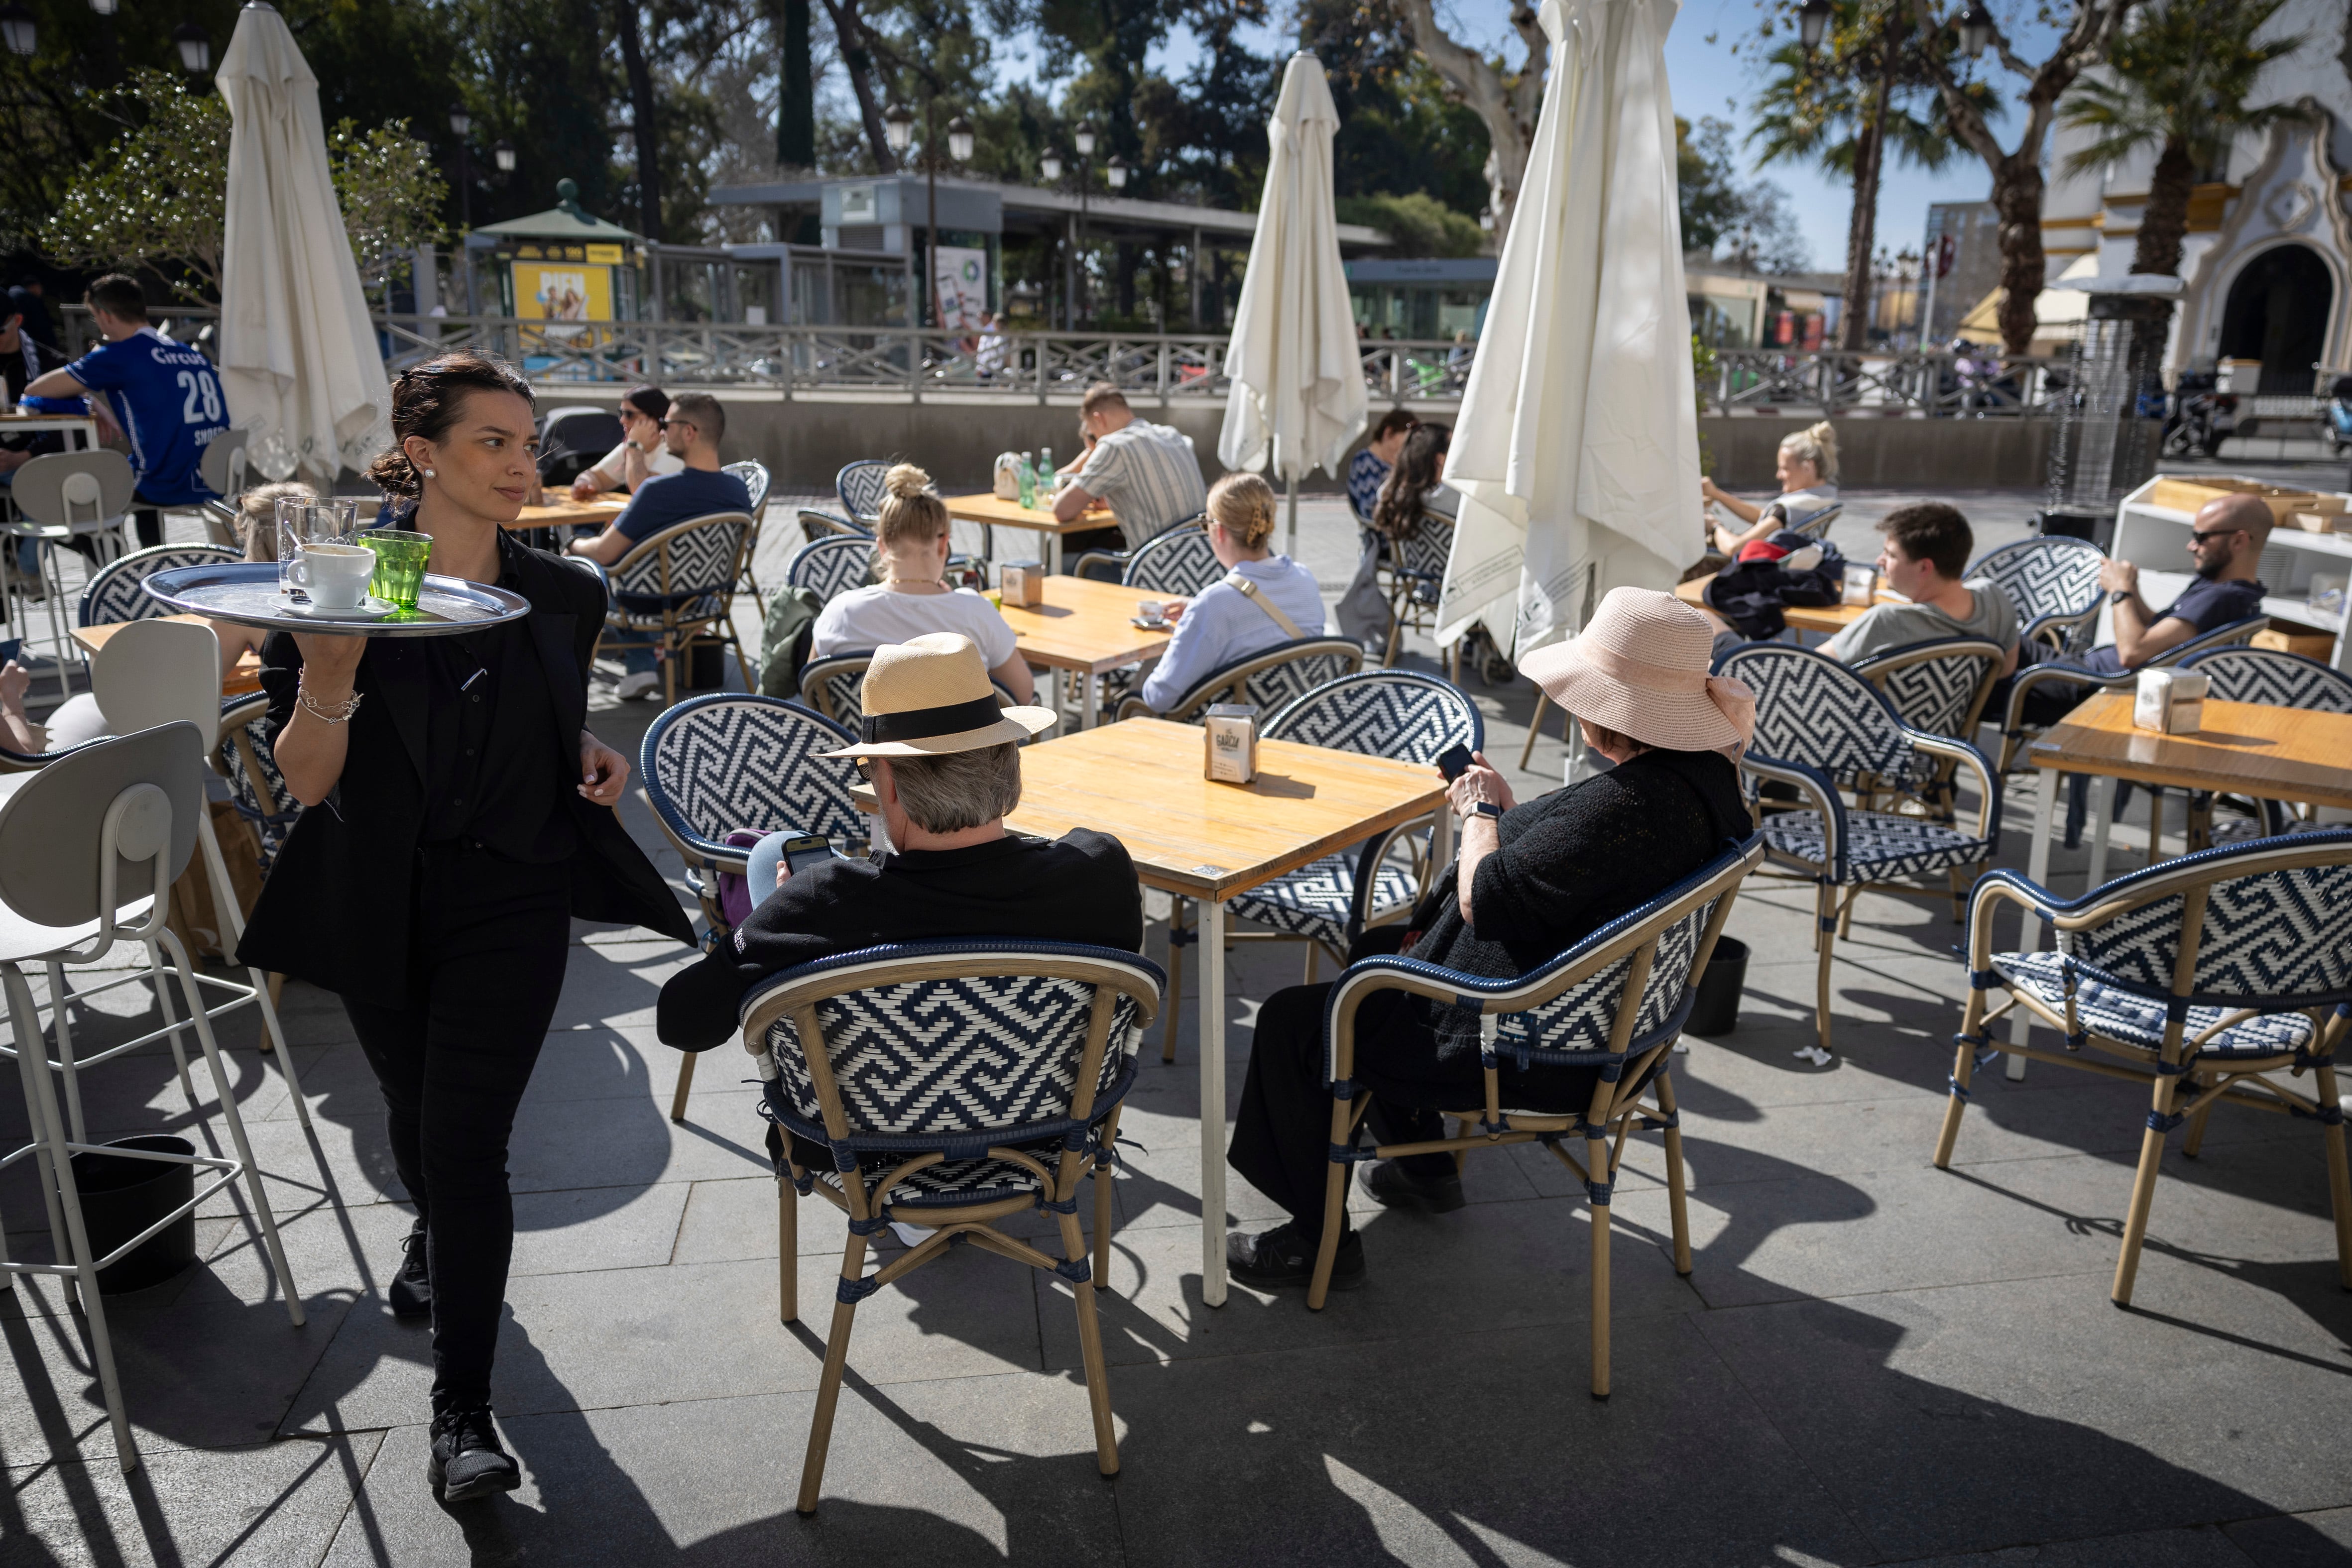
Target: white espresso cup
[(334, 576)]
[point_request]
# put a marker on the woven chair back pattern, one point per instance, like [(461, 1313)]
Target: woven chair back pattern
[(2055, 576), (1279, 684), (829, 568), (2269, 677), (1428, 547), (1814, 711), (860, 486), (115, 594), (965, 1054), (2270, 936), (1580, 1018), (837, 688), (1179, 561), (700, 561), (1935, 694), (264, 800), (724, 763), (1395, 713), (754, 474)]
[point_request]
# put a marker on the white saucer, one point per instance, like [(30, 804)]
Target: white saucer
[(369, 608)]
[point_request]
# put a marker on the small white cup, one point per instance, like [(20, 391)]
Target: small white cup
[(334, 576)]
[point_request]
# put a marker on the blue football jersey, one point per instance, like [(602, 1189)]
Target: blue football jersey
[(168, 402)]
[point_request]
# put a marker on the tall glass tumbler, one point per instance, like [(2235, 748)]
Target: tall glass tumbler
[(299, 522)]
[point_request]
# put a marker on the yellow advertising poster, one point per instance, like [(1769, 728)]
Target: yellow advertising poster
[(562, 291)]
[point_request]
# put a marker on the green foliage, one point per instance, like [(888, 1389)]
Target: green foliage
[(389, 190), (1811, 107), (1419, 224), (153, 198), (2181, 77), (1403, 129)]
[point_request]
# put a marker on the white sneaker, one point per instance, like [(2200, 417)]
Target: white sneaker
[(909, 1235), (644, 684)]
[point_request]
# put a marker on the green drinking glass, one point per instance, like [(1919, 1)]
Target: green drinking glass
[(400, 559)]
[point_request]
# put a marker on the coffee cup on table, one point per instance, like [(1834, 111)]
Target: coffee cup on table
[(334, 576)]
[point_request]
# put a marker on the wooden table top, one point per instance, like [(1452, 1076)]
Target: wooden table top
[(242, 680), (990, 508), (32, 416), (2248, 748), (1829, 618), (1140, 781), (557, 513), (1084, 625)]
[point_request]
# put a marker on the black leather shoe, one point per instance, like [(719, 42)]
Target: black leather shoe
[(411, 1291), (467, 1459), (1282, 1257), (1397, 1185)]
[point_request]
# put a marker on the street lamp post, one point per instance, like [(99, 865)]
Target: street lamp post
[(461, 125), (1083, 138), (18, 26), (195, 48)]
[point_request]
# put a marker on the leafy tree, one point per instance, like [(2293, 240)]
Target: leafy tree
[(1506, 98), (156, 196), (2179, 87), (391, 193), (1419, 224), (1703, 181), (1403, 126)]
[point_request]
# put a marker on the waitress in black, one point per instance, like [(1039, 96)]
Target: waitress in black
[(458, 815)]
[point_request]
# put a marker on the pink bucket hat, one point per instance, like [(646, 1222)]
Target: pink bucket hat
[(1640, 668)]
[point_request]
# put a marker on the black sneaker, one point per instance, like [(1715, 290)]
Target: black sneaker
[(467, 1460), (411, 1291), (1397, 1185), (1283, 1256)]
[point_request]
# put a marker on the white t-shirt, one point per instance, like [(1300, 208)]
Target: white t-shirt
[(863, 619), (661, 460)]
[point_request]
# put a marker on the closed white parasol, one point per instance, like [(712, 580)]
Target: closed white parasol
[(1577, 450), (1297, 397), (299, 361)]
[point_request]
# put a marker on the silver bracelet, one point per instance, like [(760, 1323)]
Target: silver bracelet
[(342, 713)]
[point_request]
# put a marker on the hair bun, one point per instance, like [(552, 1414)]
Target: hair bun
[(906, 480)]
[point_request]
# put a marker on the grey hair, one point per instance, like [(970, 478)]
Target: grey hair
[(961, 789)]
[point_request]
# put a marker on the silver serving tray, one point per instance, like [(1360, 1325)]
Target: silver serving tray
[(245, 593)]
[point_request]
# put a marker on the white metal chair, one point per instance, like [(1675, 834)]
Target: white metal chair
[(1024, 1052), (155, 673), (61, 497), (89, 848), (223, 466)]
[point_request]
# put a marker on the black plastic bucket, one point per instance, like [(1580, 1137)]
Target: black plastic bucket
[(1717, 1011), (121, 1198)]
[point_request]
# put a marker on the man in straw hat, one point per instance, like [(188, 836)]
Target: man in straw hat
[(945, 764), (1531, 881)]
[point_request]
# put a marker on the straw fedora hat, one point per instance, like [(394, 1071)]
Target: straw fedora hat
[(1639, 667), (931, 697)]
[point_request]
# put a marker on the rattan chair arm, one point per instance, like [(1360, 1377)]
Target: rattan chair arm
[(1133, 706), (1969, 756), (1815, 786), (1088, 565)]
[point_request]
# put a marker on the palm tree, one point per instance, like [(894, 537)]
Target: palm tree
[(2180, 82), (1843, 108)]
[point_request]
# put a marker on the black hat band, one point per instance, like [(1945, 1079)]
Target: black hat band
[(927, 723)]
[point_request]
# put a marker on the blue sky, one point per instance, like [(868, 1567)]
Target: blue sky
[(1707, 80)]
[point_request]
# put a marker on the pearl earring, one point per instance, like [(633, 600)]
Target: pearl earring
[(429, 474)]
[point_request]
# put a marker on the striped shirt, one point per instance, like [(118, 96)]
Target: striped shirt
[(1149, 475)]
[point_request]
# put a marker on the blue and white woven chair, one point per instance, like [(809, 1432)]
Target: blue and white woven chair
[(1823, 728), (1176, 561), (256, 787), (2271, 676), (2053, 581), (1415, 573), (713, 764), (1615, 1001), (1271, 680), (1110, 565), (1939, 686), (831, 567), (113, 593), (817, 524), (689, 570), (834, 686), (754, 474), (2204, 976), (953, 1084), (860, 486), (1404, 716)]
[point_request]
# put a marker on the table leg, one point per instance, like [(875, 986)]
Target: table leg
[(2037, 867), (1212, 1103), (1051, 552), (2102, 797), (1089, 699)]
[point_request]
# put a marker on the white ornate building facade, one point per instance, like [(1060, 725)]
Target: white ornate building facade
[(2268, 259)]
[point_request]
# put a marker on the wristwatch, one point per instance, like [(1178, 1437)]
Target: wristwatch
[(1486, 808), (2119, 595)]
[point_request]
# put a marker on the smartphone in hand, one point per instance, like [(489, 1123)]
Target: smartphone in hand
[(1451, 763)]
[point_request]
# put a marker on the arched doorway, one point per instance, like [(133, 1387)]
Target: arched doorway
[(2277, 313)]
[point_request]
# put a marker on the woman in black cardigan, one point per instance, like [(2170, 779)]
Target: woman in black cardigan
[(457, 815)]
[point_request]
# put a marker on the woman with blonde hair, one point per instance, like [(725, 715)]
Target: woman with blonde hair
[(1263, 599), (913, 597), (1808, 472)]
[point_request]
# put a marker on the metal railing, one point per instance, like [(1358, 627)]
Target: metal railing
[(1929, 384)]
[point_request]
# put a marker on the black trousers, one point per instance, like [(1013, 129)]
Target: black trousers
[(1282, 1136), (487, 954)]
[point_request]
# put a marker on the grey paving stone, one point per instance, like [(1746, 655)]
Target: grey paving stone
[(2192, 1548), (969, 1471), (2320, 1540), (277, 1503), (1476, 1447), (2009, 1438)]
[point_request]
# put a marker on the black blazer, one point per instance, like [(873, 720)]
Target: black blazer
[(335, 910)]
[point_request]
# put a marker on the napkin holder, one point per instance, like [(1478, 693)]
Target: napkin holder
[(1229, 738), (1024, 584), (1861, 587), (2169, 702)]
